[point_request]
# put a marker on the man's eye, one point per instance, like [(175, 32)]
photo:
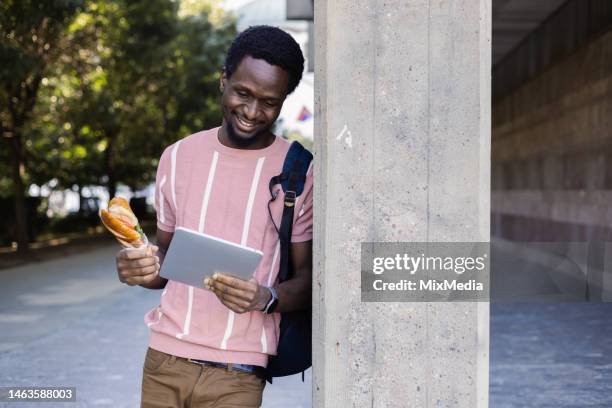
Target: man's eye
[(242, 93), (271, 104)]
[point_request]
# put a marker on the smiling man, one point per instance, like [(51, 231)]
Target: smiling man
[(209, 346)]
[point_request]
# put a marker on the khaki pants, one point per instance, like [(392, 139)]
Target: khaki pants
[(173, 382)]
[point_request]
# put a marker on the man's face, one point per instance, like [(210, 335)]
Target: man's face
[(252, 99)]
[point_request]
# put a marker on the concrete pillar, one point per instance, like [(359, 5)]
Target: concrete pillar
[(402, 154)]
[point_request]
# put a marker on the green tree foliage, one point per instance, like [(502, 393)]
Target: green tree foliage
[(30, 42), (130, 77)]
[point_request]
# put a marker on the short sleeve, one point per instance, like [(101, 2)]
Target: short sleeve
[(164, 203), (302, 225)]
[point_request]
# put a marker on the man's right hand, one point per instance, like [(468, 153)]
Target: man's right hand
[(138, 266)]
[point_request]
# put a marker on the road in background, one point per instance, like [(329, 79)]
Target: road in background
[(70, 322)]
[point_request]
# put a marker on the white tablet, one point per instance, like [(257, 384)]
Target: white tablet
[(192, 256)]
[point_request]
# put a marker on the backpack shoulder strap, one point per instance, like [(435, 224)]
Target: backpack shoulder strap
[(292, 179), (296, 163)]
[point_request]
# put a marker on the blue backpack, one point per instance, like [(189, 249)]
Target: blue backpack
[(294, 352)]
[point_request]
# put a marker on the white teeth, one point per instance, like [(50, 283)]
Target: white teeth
[(245, 124)]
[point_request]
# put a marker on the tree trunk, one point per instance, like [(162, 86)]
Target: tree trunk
[(21, 214), (80, 191), (20, 107), (110, 168), (112, 186)]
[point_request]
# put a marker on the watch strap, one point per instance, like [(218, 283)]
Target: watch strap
[(272, 302)]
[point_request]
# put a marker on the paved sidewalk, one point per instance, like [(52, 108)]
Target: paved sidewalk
[(551, 355), (70, 322)]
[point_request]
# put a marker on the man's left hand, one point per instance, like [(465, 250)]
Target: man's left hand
[(237, 294)]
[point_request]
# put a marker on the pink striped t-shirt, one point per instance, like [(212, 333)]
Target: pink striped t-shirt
[(206, 186)]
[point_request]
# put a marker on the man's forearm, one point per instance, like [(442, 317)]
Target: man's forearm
[(294, 294)]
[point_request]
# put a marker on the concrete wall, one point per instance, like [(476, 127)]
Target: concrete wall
[(552, 151), (569, 28), (402, 108)]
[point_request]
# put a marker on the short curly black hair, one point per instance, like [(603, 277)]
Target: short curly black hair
[(271, 44)]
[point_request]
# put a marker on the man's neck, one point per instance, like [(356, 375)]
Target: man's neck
[(260, 141)]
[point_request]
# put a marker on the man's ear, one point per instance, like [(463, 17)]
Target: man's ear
[(222, 81)]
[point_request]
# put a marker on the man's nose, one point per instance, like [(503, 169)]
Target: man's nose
[(251, 110)]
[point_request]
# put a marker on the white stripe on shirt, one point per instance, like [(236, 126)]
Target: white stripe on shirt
[(245, 235), (276, 252), (162, 219), (264, 340), (203, 211), (188, 316), (207, 190), (173, 173), (249, 209)]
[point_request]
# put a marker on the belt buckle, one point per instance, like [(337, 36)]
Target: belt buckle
[(198, 362), (243, 368)]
